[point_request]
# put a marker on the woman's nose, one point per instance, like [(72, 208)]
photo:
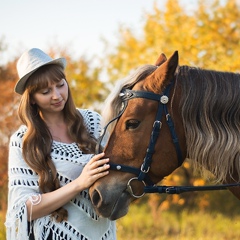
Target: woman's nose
[(56, 94)]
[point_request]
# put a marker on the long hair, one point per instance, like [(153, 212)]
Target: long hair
[(37, 140), (211, 117)]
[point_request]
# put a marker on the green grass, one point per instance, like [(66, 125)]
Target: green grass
[(139, 224)]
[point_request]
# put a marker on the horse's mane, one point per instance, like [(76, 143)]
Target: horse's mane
[(113, 103), (211, 117)]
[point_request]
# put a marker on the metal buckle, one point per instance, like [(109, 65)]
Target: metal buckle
[(144, 171), (157, 122)]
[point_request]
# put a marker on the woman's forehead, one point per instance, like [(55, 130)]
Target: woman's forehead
[(47, 81)]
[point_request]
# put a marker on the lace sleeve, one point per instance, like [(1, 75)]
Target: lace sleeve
[(23, 183), (93, 121)]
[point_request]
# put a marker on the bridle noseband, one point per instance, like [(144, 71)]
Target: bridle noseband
[(142, 172)]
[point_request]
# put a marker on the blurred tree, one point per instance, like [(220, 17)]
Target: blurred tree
[(87, 89), (218, 32), (207, 36), (8, 120)]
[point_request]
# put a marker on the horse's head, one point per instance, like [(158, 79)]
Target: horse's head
[(131, 137)]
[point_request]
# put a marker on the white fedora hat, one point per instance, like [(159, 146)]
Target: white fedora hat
[(31, 61)]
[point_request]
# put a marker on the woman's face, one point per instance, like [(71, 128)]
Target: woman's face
[(52, 98)]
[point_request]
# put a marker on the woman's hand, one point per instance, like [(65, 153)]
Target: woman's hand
[(49, 202), (96, 168)]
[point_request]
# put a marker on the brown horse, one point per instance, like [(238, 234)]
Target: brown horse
[(164, 114)]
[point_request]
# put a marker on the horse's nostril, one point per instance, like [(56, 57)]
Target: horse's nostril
[(96, 198)]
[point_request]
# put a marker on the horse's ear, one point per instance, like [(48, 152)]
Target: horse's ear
[(161, 59), (162, 75), (170, 66)]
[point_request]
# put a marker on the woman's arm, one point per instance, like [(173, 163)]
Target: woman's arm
[(94, 169)]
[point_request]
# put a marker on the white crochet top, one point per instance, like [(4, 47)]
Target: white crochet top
[(83, 222)]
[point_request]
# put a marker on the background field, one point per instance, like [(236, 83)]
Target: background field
[(218, 221)]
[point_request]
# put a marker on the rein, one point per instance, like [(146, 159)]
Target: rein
[(141, 173)]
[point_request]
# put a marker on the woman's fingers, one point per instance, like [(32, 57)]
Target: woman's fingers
[(96, 168), (97, 164), (97, 161), (96, 157), (103, 167), (100, 163)]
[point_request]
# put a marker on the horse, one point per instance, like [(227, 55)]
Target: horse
[(160, 115)]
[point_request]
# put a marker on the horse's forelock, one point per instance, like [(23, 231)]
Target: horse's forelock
[(113, 102)]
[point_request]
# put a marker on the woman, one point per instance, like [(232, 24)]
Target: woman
[(51, 161)]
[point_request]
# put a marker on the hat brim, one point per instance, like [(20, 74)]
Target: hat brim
[(20, 85)]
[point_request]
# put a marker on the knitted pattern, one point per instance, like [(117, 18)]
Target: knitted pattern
[(83, 222)]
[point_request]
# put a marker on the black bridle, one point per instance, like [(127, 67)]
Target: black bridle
[(142, 172)]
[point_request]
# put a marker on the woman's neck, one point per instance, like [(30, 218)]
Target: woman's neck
[(53, 118), (57, 127)]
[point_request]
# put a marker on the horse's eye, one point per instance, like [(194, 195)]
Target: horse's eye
[(132, 124)]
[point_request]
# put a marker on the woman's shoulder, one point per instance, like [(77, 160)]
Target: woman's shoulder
[(17, 136), (90, 115), (19, 133), (92, 120)]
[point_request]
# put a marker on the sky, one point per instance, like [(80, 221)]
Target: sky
[(79, 24)]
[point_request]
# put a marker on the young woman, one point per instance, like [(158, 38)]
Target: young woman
[(51, 161)]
